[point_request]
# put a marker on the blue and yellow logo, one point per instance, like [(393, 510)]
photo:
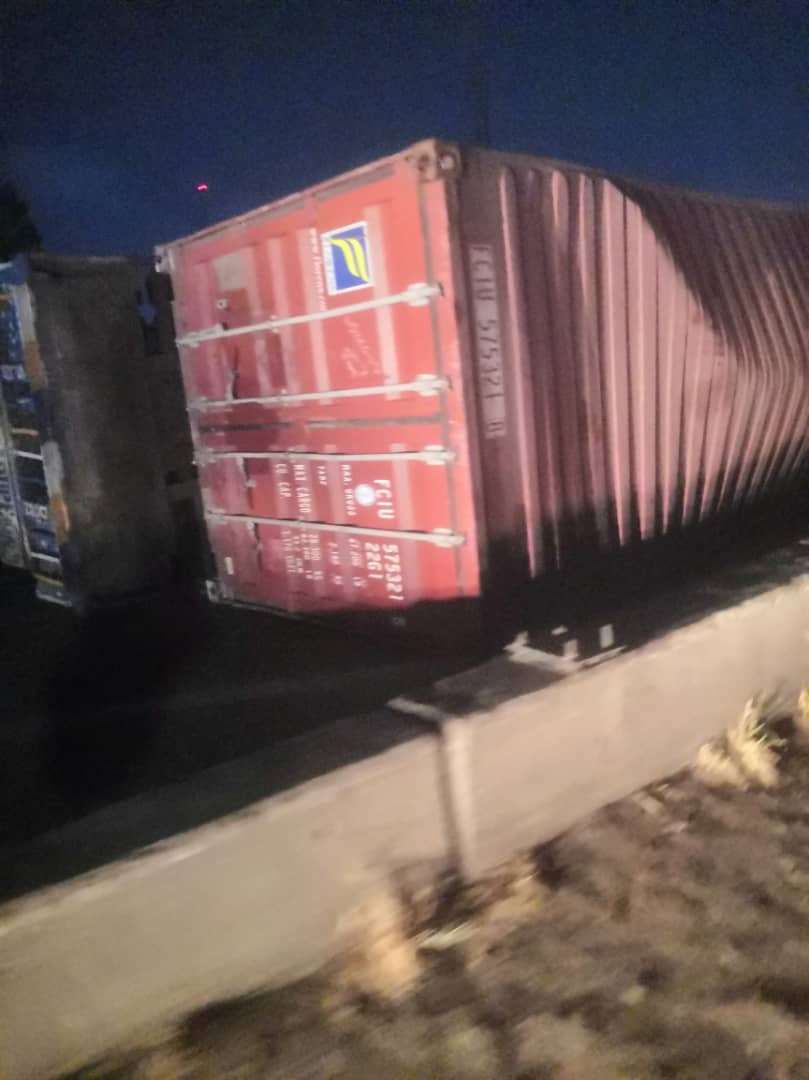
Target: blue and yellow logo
[(348, 262)]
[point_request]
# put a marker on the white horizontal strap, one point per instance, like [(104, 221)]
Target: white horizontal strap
[(432, 456), (425, 385), (28, 454), (415, 295), (45, 558), (444, 538)]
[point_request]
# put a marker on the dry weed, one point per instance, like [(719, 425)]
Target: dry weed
[(164, 1063), (521, 894), (746, 754), (802, 715), (715, 768), (383, 960), (490, 910), (752, 744)]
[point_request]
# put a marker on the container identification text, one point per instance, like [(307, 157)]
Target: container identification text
[(487, 339)]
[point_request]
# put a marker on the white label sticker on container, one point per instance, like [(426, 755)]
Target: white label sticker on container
[(487, 337), (228, 564)]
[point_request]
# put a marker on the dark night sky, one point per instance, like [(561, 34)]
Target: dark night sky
[(114, 110)]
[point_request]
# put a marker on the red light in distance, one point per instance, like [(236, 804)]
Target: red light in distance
[(202, 187)]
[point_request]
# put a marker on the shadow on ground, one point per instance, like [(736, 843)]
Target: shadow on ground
[(127, 727), (103, 710)]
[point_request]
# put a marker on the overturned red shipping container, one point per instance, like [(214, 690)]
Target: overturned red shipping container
[(454, 371)]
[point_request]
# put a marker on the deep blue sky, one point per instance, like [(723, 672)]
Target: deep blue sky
[(114, 110)]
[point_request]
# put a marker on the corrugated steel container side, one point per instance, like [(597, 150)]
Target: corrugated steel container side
[(82, 432), (453, 371), (657, 354)]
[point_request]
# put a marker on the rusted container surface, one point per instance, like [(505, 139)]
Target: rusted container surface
[(82, 445), (453, 371)]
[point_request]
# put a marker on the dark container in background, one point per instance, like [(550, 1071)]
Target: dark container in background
[(80, 430), (173, 433)]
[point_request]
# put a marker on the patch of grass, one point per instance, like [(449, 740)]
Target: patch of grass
[(746, 754), (715, 767)]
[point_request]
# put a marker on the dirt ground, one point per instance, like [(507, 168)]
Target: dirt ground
[(665, 937)]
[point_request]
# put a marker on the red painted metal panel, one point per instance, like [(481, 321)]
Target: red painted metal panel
[(332, 451), (656, 350), (593, 363)]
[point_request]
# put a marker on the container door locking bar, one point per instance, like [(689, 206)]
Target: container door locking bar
[(417, 295), (425, 385), (431, 455), (443, 538)]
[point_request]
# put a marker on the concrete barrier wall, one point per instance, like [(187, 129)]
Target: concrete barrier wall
[(228, 907), (542, 761), (256, 898)]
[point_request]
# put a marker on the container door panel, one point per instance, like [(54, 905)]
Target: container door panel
[(329, 420)]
